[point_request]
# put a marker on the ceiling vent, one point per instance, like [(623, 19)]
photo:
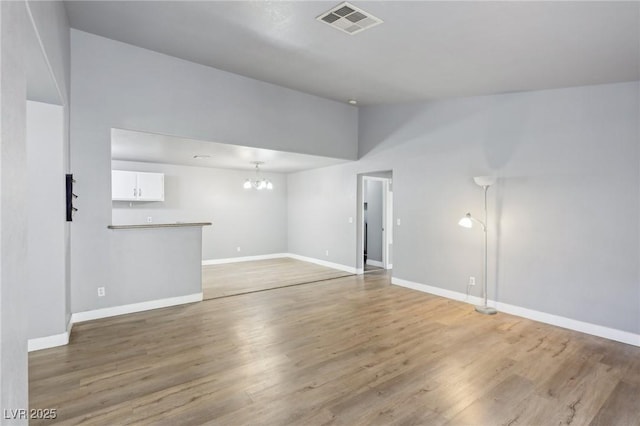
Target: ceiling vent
[(349, 19)]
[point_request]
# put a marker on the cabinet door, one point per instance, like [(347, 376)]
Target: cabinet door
[(150, 186), (124, 185)]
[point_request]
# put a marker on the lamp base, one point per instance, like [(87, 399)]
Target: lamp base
[(486, 310)]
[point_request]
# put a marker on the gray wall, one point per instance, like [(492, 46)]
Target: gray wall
[(255, 221), (163, 262), (46, 220), (320, 203), (52, 27), (563, 216), (13, 206), (373, 198), (118, 85)]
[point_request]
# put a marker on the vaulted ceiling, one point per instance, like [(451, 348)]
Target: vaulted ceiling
[(423, 50)]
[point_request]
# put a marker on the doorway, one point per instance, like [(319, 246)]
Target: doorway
[(375, 214)]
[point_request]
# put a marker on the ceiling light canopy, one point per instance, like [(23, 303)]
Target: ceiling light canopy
[(258, 183), (349, 19)]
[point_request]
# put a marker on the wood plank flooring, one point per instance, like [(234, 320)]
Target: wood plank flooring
[(245, 277), (368, 268), (350, 351)]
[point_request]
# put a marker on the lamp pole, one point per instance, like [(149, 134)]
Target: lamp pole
[(485, 309)]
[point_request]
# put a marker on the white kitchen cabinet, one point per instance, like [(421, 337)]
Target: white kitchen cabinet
[(136, 186)]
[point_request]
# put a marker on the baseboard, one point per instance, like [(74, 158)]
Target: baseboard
[(134, 307), (568, 323), (244, 259), (360, 271), (50, 341), (321, 262), (345, 268), (375, 263)]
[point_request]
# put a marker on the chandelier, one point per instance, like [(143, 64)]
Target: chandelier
[(258, 183)]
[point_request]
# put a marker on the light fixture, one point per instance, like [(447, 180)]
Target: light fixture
[(467, 222), (258, 183), (353, 102)]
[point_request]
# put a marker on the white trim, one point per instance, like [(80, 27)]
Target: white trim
[(244, 259), (381, 179), (48, 342), (375, 263), (69, 326), (387, 219), (359, 271), (571, 324), (345, 268), (134, 307)]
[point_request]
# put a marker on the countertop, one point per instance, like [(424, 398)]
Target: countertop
[(159, 225)]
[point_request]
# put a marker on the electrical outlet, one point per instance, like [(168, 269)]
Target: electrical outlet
[(350, 220), (238, 249), (149, 219), (472, 280), (101, 292), (326, 252), (398, 222)]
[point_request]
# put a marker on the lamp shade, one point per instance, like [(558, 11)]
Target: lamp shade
[(466, 221)]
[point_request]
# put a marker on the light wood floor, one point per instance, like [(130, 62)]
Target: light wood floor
[(246, 277), (368, 268), (349, 351)]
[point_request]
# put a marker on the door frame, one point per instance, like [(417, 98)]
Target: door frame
[(387, 220)]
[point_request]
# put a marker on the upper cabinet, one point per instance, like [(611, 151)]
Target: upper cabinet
[(136, 186)]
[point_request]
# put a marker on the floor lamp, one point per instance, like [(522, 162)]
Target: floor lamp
[(467, 222)]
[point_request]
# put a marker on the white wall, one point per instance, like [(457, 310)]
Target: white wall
[(564, 216), (46, 220), (255, 221), (119, 85)]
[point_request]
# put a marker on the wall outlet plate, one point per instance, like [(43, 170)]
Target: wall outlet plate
[(101, 292), (472, 280), (149, 219)]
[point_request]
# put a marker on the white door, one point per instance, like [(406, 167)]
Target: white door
[(124, 185), (150, 186)]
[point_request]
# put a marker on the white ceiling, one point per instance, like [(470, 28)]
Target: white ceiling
[(130, 145), (423, 50)]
